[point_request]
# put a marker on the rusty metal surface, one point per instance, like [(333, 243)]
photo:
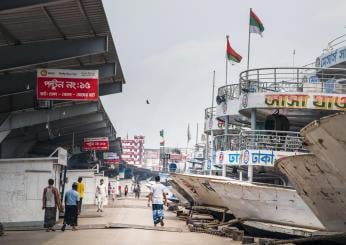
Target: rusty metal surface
[(322, 188), (326, 138), (320, 179)]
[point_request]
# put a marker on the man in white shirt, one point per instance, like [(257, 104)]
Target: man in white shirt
[(101, 195), (158, 197)]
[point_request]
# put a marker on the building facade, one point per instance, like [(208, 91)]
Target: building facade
[(133, 150)]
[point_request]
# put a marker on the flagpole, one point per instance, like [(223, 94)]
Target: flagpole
[(197, 135), (253, 111), (226, 61), (187, 146), (212, 120), (248, 46)]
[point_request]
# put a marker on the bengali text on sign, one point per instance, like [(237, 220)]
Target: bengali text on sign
[(100, 144), (59, 84)]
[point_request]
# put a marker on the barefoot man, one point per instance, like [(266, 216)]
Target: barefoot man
[(158, 197)]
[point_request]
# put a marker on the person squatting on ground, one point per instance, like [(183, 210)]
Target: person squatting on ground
[(101, 195), (157, 197), (80, 189), (50, 203), (72, 199)]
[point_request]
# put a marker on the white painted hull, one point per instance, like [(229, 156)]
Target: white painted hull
[(320, 179), (245, 200), (265, 202), (198, 187)]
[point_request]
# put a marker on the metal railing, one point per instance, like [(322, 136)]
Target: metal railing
[(209, 112), (229, 91), (260, 140), (288, 79), (336, 43)]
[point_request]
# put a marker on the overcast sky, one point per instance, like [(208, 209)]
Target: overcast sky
[(169, 48)]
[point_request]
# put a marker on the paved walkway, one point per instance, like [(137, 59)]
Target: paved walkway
[(123, 212)]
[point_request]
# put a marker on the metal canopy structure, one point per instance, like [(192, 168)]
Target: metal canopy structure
[(71, 34)]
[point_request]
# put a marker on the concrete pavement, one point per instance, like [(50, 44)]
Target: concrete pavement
[(129, 212)]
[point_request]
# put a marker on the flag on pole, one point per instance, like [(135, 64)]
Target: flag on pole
[(256, 25), (162, 141), (231, 55), (188, 133)]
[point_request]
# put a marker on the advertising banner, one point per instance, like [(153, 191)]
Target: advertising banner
[(61, 84), (99, 144)]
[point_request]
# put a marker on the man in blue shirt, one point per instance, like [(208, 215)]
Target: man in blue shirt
[(72, 200)]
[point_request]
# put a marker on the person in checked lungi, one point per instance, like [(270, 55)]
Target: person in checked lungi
[(50, 203), (158, 198)]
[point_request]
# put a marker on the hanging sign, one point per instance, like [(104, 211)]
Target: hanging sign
[(61, 84), (99, 144), (111, 157)]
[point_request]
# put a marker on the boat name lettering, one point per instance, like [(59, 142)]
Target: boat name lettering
[(329, 59), (334, 57), (329, 102), (258, 157), (342, 54), (233, 158), (287, 100)]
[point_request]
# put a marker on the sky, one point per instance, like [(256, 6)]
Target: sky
[(168, 50)]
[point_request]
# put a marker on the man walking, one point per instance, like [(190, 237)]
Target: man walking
[(80, 189), (137, 191), (72, 199), (158, 197), (101, 195), (50, 204)]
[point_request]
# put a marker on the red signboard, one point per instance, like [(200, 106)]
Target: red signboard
[(99, 144), (112, 161), (58, 84)]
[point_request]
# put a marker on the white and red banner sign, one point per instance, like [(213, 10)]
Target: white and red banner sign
[(99, 144), (111, 157), (61, 84)]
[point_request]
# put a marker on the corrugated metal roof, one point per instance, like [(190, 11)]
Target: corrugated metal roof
[(65, 20), (62, 20)]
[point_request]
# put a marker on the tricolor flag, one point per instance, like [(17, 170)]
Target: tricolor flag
[(231, 55), (256, 25), (162, 141)]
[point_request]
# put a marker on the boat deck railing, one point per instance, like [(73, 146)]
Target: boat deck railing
[(288, 79), (230, 91), (260, 140), (209, 112)]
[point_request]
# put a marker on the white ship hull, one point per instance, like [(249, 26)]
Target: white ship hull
[(320, 179), (198, 187), (266, 202), (245, 200)]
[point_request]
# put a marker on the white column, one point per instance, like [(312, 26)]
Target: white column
[(211, 151), (253, 127), (225, 132)]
